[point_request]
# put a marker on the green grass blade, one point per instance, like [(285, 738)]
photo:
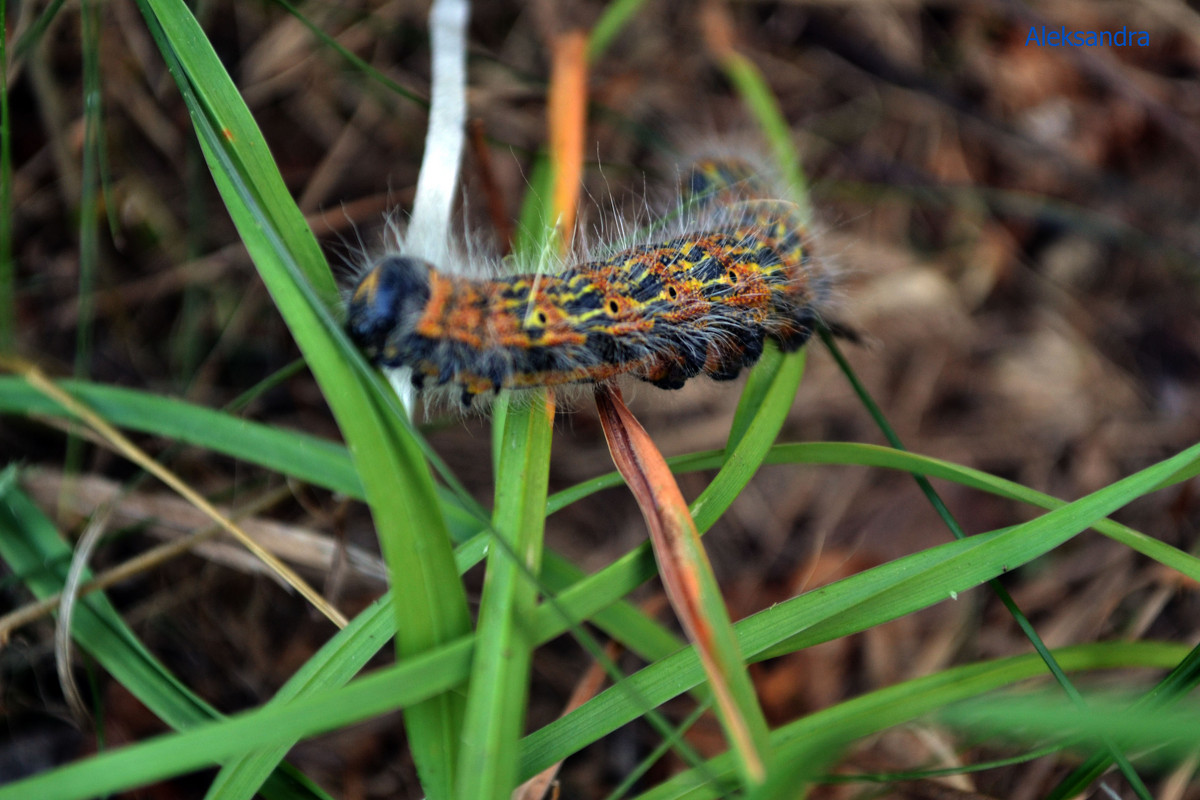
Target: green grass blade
[(758, 633), (369, 631), (597, 591), (1165, 735), (622, 621), (499, 685), (1181, 680), (587, 596), (430, 601), (222, 119), (895, 705), (37, 29), (505, 639), (863, 600), (339, 660), (32, 548), (761, 411), (997, 588), (1022, 543), (758, 393), (792, 777), (406, 684), (748, 81), (352, 59), (301, 455), (333, 665), (430, 674), (775, 392), (309, 458), (615, 17), (316, 461)]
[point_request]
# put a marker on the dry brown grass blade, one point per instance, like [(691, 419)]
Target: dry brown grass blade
[(683, 566), (210, 269), (497, 213), (140, 563), (168, 517), (589, 685), (129, 450), (67, 600)]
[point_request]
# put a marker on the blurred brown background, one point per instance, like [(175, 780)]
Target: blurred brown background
[(1018, 231)]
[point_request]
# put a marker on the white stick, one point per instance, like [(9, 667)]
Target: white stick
[(429, 230), (428, 234)]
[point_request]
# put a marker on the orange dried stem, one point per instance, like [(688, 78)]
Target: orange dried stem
[(567, 112)]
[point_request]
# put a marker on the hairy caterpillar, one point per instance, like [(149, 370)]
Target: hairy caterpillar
[(701, 302)]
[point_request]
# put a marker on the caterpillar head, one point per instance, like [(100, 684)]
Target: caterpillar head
[(385, 300)]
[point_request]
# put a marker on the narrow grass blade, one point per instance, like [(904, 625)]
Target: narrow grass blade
[(313, 460), (343, 655), (997, 588), (90, 197), (622, 621), (690, 584), (1169, 733), (339, 660), (301, 455), (447, 666), (766, 401), (1181, 680), (431, 603), (32, 547), (766, 392), (409, 683), (895, 705), (138, 456), (359, 64), (760, 415), (35, 32), (505, 640), (869, 598), (615, 17), (588, 595), (851, 453), (759, 99), (792, 777)]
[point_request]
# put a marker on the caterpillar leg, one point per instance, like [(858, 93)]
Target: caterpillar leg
[(673, 373), (725, 362)]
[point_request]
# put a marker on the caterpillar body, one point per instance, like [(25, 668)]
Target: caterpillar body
[(701, 302)]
